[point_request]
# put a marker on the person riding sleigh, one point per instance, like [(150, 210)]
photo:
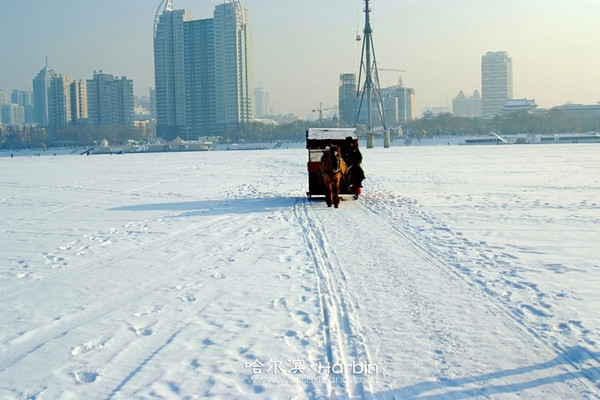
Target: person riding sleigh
[(353, 158)]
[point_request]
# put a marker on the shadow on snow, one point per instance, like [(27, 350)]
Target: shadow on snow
[(219, 207), (452, 388)]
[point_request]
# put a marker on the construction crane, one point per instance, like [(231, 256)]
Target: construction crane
[(394, 70), (321, 109)]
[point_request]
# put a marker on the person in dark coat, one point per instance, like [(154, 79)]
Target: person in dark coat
[(353, 158)]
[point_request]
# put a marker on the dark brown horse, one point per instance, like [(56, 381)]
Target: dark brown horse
[(333, 170)]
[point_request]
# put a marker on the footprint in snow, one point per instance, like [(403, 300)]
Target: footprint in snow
[(55, 261), (86, 376), (304, 317), (155, 310), (147, 331), (83, 250), (92, 345), (187, 298), (68, 246)]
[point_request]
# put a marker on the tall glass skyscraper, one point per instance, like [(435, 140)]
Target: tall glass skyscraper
[(203, 71), (169, 68), (233, 65), (41, 85), (496, 82), (200, 102)]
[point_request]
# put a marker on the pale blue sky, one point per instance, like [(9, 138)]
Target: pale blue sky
[(301, 47)]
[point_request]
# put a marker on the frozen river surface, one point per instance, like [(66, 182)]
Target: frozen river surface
[(461, 272)]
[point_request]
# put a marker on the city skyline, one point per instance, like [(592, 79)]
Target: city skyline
[(300, 49)]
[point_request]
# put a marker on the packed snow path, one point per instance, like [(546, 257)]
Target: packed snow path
[(462, 272)]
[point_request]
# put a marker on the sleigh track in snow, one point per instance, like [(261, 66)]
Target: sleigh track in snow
[(343, 334)]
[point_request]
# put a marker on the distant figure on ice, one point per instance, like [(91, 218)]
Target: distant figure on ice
[(353, 158)]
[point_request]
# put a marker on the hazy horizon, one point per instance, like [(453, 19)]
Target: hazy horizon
[(301, 48)]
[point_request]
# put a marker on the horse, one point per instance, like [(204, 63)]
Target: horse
[(333, 169)]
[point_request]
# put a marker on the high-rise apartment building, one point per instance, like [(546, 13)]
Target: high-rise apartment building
[(234, 65), (203, 71), (347, 101), (79, 109), (3, 97), (262, 102), (41, 85), (169, 69), (398, 104), (110, 100), (59, 103), (12, 114), (200, 102), (496, 82), (67, 102), (24, 97)]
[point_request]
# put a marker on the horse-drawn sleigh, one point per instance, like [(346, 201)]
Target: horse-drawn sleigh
[(333, 164)]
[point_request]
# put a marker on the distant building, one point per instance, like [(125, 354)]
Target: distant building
[(427, 114), (516, 105), (464, 106), (59, 103), (496, 82), (203, 71), (145, 128), (153, 103), (110, 101), (3, 101), (440, 110), (398, 103), (12, 114), (262, 103), (200, 86), (169, 68), (398, 106), (580, 111), (41, 85), (79, 107), (234, 66), (24, 97), (347, 99), (67, 102)]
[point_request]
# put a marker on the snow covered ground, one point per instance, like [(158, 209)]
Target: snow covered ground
[(462, 272)]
